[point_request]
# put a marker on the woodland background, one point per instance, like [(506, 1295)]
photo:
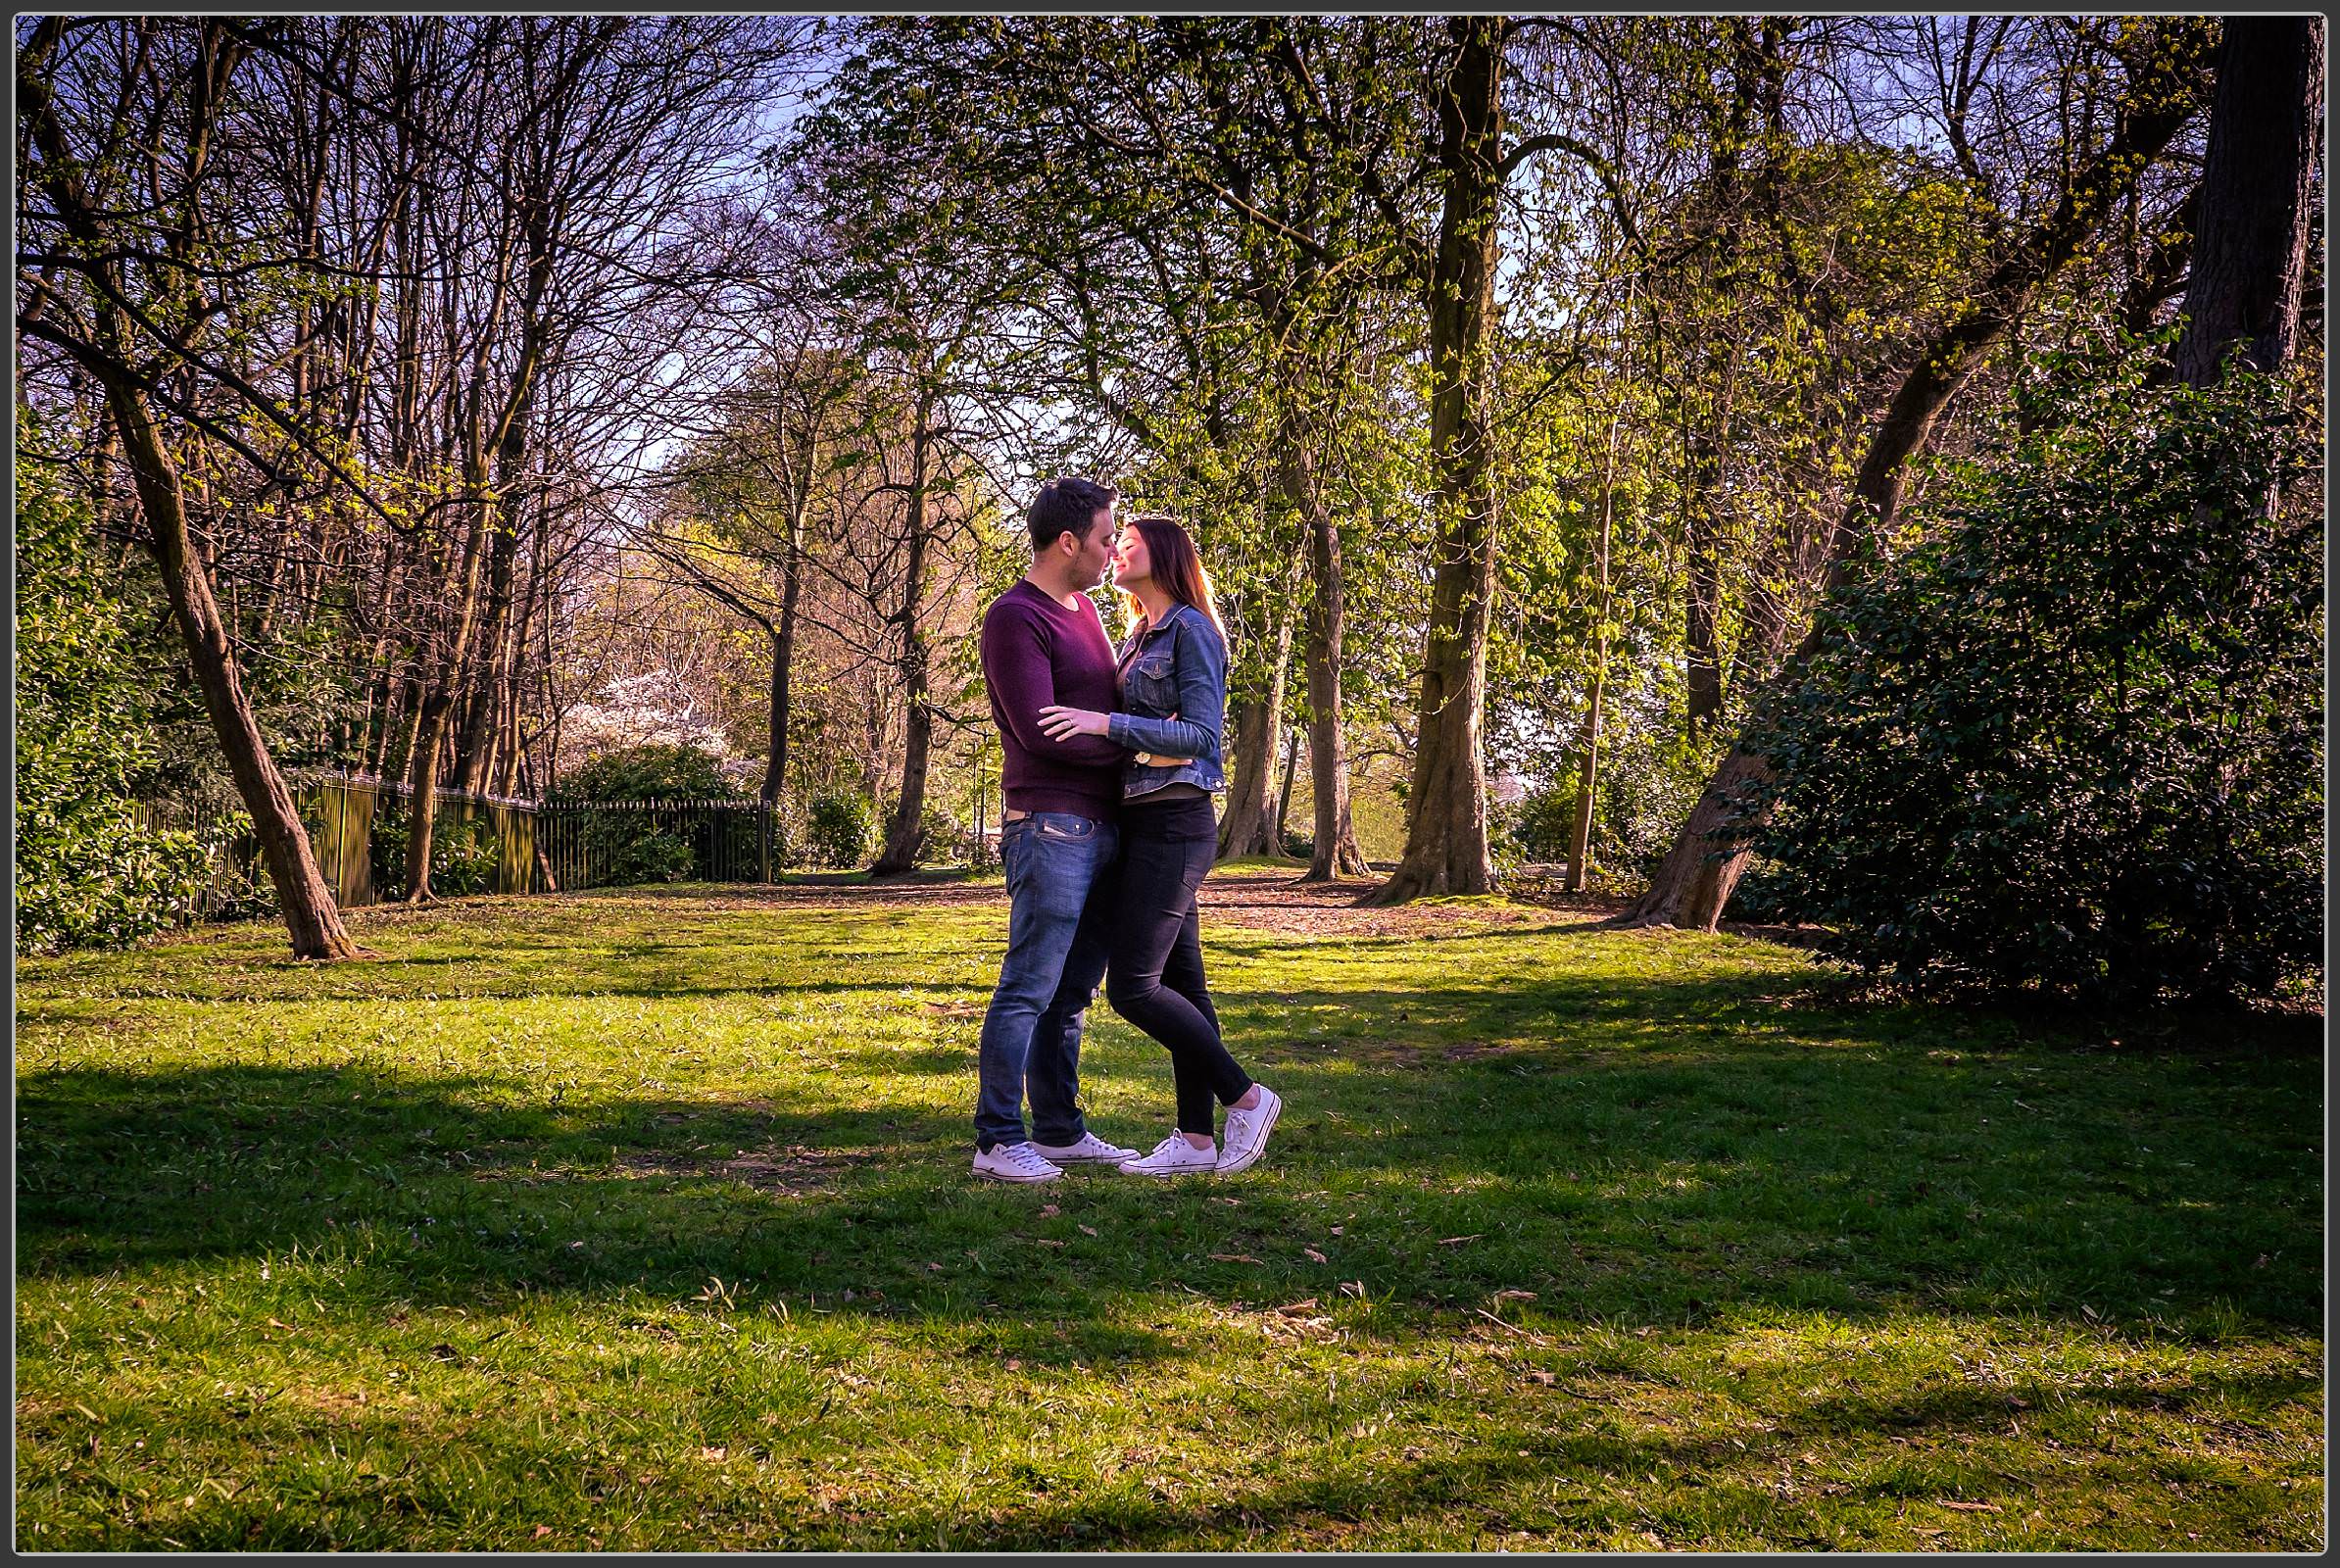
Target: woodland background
[(1881, 452)]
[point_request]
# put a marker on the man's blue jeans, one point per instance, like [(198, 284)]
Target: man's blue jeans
[(1057, 864)]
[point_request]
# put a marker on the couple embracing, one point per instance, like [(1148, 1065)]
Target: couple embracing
[(1111, 760)]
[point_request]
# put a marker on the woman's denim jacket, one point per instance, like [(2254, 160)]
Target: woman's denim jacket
[(1176, 668)]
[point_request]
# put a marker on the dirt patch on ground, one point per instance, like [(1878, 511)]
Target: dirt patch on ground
[(789, 1172), (1264, 900), (1278, 902), (1267, 900)]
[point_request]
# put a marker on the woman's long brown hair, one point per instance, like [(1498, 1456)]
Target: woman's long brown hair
[(1176, 566)]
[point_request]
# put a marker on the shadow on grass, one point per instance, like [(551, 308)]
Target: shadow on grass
[(1722, 1487), (1636, 1152)]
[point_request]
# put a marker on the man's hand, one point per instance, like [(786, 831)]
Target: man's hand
[(1063, 723)]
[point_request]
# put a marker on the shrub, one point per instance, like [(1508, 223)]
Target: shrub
[(839, 828), (1542, 825), (942, 839), (649, 773), (91, 869), (2074, 743), (626, 848)]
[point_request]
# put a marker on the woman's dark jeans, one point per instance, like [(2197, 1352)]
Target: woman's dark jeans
[(1155, 975)]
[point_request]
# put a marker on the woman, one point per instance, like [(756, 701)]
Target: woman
[(1174, 695)]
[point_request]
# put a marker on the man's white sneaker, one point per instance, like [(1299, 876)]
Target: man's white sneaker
[(1090, 1151), (1173, 1157), (1247, 1132), (1016, 1162)]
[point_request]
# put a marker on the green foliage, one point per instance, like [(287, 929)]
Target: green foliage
[(1541, 825), (91, 870), (464, 854), (2074, 743), (840, 829), (649, 773), (943, 838)]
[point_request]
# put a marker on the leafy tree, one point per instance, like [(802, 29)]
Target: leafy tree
[(2075, 742)]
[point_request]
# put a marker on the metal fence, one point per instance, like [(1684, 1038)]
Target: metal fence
[(591, 844)]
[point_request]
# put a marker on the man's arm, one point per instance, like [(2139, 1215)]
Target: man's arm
[(1202, 691), (1016, 667)]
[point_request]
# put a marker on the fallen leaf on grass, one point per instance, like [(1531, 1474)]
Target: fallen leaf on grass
[(1015, 1366), (1233, 1258), (1314, 1257), (1049, 1210), (1044, 1241), (1515, 1296), (1457, 1240), (1971, 1508), (1297, 1307), (714, 1456), (1088, 1230), (543, 1530), (1548, 1379)]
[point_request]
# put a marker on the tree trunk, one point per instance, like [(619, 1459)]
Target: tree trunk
[(1580, 836), (475, 745), (1291, 765), (2251, 215), (1445, 849), (904, 834), (435, 714), (310, 917), (1708, 432), (509, 436), (784, 655), (1335, 853), (1693, 883), (1248, 827), (1701, 631)]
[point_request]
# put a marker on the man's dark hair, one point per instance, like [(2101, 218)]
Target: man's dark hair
[(1069, 504)]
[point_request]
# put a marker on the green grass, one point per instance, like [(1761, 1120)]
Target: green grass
[(642, 1220)]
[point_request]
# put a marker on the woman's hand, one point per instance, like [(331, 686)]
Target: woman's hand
[(1063, 723)]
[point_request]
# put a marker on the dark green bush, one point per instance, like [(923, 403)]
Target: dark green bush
[(91, 870), (2075, 742), (840, 829), (1542, 825)]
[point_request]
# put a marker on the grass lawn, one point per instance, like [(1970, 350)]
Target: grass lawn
[(642, 1220)]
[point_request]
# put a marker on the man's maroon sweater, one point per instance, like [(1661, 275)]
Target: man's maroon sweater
[(1035, 652)]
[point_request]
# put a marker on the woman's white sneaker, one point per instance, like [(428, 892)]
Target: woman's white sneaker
[(1016, 1162), (1173, 1157), (1247, 1132), (1090, 1151)]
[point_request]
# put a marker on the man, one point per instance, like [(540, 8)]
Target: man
[(1044, 644)]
